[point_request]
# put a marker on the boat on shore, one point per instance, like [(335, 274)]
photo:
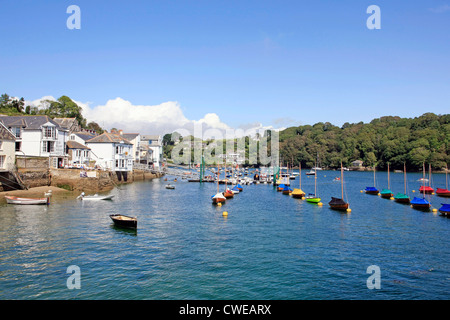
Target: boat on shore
[(124, 221), (27, 201)]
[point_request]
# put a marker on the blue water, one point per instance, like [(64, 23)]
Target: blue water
[(271, 246)]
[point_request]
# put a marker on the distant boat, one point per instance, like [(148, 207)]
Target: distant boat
[(218, 198), (124, 221), (235, 190), (311, 173), (402, 197), (387, 193), (281, 187), (298, 193), (82, 196), (26, 201), (313, 198), (372, 190), (445, 209), (426, 189), (441, 192), (336, 203), (169, 186)]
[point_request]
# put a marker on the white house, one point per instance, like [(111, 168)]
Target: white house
[(7, 149), (135, 139), (38, 136), (81, 137), (111, 152), (154, 143), (79, 154)]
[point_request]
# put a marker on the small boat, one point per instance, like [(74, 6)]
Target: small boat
[(422, 180), (442, 192), (403, 197), (337, 179), (311, 173), (169, 186), (280, 187), (82, 196), (426, 189), (26, 201), (420, 204), (298, 193), (124, 221), (218, 198), (371, 190), (312, 198), (338, 204), (387, 193), (239, 187), (445, 209), (287, 190), (235, 190), (228, 194)]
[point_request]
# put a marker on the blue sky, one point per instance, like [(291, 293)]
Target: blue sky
[(279, 63)]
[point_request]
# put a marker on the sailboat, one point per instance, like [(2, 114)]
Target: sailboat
[(372, 190), (421, 203), (312, 198), (402, 197), (426, 189), (298, 193), (444, 192), (445, 209), (336, 203), (227, 193), (219, 197), (287, 190), (387, 193)]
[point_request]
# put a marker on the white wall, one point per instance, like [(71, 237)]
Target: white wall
[(7, 149)]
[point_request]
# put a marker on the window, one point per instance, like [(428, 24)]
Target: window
[(72, 137), (49, 132), (17, 131), (48, 146), (2, 162), (18, 146), (119, 149)]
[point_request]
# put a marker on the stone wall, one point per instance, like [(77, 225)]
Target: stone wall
[(33, 163)]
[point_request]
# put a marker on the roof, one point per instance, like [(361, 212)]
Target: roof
[(5, 134), (109, 138), (130, 136), (85, 135), (76, 145), (150, 137), (28, 122), (66, 122)]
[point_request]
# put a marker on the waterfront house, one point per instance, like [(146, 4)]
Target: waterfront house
[(111, 152), (7, 149), (135, 139), (79, 154), (81, 137), (154, 143), (38, 136)]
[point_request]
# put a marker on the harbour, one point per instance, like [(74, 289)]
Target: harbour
[(268, 246)]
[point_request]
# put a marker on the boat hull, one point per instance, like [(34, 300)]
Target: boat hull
[(341, 207), (26, 201), (124, 221), (313, 200), (443, 193)]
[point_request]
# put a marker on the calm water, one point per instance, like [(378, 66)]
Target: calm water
[(271, 246)]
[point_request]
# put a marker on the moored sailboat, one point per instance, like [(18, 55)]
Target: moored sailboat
[(298, 193), (372, 190), (402, 197), (339, 203), (313, 198), (426, 189), (441, 192), (421, 203), (387, 193)]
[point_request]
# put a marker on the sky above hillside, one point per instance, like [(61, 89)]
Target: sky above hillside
[(155, 66)]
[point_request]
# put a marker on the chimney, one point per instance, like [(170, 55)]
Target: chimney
[(121, 132)]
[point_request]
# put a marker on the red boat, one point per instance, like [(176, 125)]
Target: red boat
[(426, 189), (442, 192), (228, 194)]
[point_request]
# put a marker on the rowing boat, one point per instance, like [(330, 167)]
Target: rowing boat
[(26, 201)]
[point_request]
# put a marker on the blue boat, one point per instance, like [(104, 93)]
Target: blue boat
[(287, 190), (445, 209), (235, 189), (420, 203), (371, 190), (239, 187), (280, 187)]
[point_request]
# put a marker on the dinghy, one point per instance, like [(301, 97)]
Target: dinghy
[(124, 221), (26, 201), (82, 196)]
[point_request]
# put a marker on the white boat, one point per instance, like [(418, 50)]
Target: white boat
[(169, 186), (26, 201), (82, 196)]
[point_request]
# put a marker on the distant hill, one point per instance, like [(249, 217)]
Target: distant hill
[(387, 139)]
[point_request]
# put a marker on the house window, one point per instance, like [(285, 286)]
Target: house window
[(48, 146), (49, 132), (117, 163), (17, 131), (2, 162), (119, 149), (18, 146), (72, 137)]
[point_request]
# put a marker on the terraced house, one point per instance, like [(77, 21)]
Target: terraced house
[(38, 136)]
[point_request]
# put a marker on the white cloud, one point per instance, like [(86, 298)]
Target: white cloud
[(155, 119)]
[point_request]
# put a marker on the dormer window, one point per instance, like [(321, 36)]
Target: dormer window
[(17, 131), (49, 132)]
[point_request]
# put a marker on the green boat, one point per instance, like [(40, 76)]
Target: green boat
[(312, 197), (387, 193), (403, 197)]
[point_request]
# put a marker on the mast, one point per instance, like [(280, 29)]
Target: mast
[(300, 173), (446, 176), (342, 182), (429, 175), (389, 184), (218, 177), (315, 182), (374, 183), (423, 182), (404, 175)]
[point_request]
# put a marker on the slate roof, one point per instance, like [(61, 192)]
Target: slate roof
[(76, 145), (109, 138), (65, 122), (85, 135), (27, 122), (5, 134)]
